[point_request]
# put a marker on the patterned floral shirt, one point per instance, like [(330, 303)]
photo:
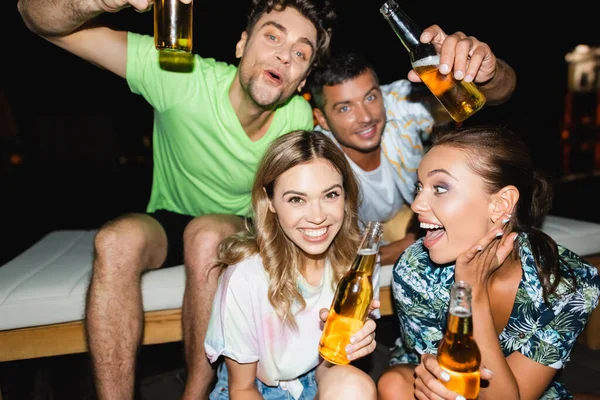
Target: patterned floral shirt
[(543, 333)]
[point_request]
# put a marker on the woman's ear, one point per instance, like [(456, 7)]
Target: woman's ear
[(504, 202), (270, 204), (271, 208)]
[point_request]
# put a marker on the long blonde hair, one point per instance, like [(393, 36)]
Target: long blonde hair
[(281, 257)]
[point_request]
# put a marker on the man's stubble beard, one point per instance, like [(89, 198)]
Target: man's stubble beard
[(250, 88)]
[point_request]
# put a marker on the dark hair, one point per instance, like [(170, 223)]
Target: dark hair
[(339, 68), (319, 12), (501, 158)]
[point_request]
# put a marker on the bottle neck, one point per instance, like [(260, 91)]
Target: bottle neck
[(407, 31), (364, 263), (460, 325), (460, 320)]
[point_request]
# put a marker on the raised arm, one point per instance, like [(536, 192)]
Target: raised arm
[(472, 60), (62, 22)]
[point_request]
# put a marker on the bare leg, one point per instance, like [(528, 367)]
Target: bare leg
[(124, 249), (397, 383), (346, 382), (201, 239)]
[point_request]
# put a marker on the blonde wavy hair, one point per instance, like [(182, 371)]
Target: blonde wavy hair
[(281, 257)]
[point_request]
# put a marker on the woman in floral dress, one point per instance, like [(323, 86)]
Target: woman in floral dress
[(481, 202)]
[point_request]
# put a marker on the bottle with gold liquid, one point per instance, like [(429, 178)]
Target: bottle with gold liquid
[(458, 353), (350, 307), (461, 99)]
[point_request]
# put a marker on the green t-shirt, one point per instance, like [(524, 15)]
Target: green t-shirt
[(204, 162)]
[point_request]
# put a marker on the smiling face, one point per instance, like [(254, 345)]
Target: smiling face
[(276, 56), (452, 204), (354, 112), (309, 202)]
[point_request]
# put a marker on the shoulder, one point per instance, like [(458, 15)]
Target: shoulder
[(399, 89), (296, 104), (407, 109), (245, 275), (586, 274), (295, 114), (320, 129)]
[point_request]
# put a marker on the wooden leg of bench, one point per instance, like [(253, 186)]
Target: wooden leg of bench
[(69, 338), (385, 298)]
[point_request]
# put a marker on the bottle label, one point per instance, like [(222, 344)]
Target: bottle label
[(423, 62)]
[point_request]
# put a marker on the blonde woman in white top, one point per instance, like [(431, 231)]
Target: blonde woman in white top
[(280, 278)]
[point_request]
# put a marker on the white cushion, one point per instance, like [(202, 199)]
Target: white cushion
[(46, 284)]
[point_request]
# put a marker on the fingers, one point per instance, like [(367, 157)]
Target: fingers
[(467, 57), (413, 76), (496, 232), (362, 342), (375, 304), (142, 6), (433, 34), (427, 381), (323, 314), (485, 374), (448, 53)]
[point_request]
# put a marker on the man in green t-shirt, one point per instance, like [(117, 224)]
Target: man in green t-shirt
[(211, 127)]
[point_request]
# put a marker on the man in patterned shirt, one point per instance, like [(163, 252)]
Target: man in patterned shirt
[(381, 128)]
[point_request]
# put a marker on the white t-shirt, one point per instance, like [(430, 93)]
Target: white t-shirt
[(244, 326), (386, 189)]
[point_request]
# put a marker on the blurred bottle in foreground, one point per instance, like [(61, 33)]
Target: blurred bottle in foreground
[(353, 296), (173, 26), (458, 353), (461, 99)]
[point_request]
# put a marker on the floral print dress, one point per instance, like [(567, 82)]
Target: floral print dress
[(544, 333)]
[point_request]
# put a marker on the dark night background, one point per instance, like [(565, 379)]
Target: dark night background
[(80, 132)]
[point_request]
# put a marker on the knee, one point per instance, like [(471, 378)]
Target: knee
[(347, 382), (203, 234), (118, 241), (393, 385), (211, 228)]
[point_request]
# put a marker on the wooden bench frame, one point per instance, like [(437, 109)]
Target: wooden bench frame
[(162, 326)]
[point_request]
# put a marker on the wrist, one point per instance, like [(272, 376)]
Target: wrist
[(480, 296)]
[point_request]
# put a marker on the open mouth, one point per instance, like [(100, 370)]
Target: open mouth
[(433, 234), (274, 76)]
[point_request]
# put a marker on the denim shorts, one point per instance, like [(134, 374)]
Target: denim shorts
[(221, 390)]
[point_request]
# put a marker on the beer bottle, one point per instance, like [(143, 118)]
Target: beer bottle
[(350, 306), (458, 353), (460, 99)]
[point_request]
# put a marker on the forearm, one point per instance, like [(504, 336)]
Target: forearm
[(499, 89), (503, 383), (245, 394), (52, 18)]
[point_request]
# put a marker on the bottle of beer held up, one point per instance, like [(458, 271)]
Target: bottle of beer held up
[(458, 353), (460, 99), (353, 295)]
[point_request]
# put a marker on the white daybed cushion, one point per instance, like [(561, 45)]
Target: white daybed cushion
[(47, 283)]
